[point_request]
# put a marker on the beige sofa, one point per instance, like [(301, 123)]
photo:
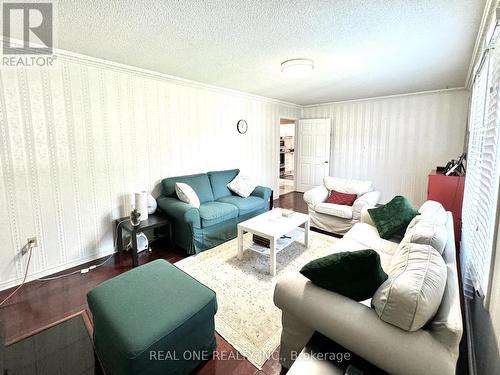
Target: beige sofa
[(337, 218), (430, 350)]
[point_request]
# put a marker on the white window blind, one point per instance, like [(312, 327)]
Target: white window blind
[(482, 180)]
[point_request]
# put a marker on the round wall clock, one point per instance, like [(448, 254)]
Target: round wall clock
[(242, 126)]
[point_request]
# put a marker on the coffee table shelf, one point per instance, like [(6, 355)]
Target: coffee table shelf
[(281, 243), (272, 225)]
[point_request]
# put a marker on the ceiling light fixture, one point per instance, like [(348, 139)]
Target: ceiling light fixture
[(297, 66)]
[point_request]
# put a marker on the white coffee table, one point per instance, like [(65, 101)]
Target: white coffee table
[(272, 225)]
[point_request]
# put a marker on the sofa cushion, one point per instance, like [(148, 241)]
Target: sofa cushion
[(430, 210), (198, 182), (245, 205), (394, 217), (431, 225), (368, 236), (350, 244), (428, 232), (341, 198), (411, 296), (354, 274), (212, 213), (338, 210), (219, 181), (347, 185)]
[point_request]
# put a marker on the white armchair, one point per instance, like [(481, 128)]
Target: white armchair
[(337, 218)]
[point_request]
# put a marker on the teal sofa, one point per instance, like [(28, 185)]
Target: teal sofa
[(220, 211)]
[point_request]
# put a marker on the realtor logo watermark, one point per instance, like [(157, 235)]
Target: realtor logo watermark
[(28, 34)]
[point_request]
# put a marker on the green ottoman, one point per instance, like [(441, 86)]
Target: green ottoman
[(154, 319)]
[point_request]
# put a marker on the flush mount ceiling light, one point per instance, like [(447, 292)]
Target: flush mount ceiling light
[(297, 66)]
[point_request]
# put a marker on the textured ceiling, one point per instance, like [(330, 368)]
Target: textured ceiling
[(360, 48)]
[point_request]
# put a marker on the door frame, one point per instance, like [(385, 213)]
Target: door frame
[(277, 166)]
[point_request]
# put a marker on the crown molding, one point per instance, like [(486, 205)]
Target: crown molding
[(69, 56), (387, 97), (488, 12), (119, 67)]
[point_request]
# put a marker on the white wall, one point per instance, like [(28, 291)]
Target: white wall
[(77, 138), (395, 141)]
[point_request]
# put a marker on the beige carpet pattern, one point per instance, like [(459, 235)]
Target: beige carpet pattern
[(247, 317)]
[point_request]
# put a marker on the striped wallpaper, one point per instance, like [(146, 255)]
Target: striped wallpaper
[(395, 141), (76, 139)]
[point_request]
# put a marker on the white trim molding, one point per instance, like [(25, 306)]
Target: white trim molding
[(490, 11), (146, 73), (386, 97)]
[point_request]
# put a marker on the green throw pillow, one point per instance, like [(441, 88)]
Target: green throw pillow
[(394, 217), (354, 274)]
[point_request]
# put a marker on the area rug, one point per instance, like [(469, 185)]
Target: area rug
[(246, 316), (63, 347)]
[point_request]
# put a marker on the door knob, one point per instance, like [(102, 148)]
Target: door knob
[(326, 162)]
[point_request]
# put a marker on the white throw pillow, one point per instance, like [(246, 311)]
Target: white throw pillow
[(412, 294), (242, 185), (186, 194)]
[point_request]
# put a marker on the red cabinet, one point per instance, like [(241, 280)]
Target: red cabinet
[(449, 191)]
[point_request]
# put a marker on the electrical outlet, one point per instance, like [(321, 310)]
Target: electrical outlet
[(32, 242)]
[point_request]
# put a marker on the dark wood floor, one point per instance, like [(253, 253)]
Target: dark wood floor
[(40, 304)]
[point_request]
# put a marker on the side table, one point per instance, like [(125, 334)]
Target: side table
[(155, 221)]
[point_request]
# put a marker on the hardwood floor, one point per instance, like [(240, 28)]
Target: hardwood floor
[(40, 304), (293, 201)]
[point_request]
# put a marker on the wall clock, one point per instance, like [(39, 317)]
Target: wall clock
[(242, 126)]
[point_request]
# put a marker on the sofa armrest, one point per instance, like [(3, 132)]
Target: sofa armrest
[(316, 195), (358, 328), (365, 217), (262, 192), (180, 210), (367, 200)]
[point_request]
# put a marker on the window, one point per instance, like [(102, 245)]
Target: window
[(482, 181)]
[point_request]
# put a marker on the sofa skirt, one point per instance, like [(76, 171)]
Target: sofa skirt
[(196, 240), (329, 223)]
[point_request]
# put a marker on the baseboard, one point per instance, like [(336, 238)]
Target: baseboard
[(470, 339), (32, 276)]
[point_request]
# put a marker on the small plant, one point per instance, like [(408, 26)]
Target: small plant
[(135, 217)]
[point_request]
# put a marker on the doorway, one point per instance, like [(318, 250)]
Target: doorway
[(287, 156)]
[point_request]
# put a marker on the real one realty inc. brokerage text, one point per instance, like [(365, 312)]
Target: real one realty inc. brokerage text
[(227, 355)]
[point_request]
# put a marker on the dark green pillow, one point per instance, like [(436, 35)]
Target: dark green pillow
[(354, 274), (394, 217)]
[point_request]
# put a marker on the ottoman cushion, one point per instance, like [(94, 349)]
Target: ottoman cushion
[(155, 307)]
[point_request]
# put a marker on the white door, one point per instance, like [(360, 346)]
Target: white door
[(313, 152)]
